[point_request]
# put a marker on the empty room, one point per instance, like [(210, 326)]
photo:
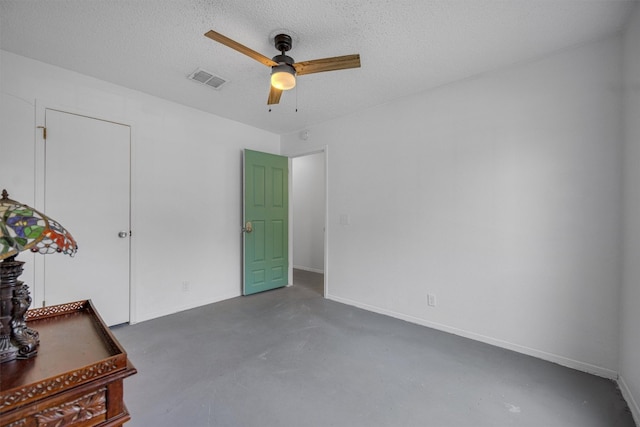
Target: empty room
[(338, 213)]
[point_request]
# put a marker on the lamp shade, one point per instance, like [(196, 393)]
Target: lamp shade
[(283, 77), (24, 228)]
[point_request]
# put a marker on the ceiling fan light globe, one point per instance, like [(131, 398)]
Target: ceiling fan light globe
[(283, 77)]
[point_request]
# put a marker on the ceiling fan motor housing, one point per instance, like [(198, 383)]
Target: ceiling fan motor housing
[(283, 59), (283, 42)]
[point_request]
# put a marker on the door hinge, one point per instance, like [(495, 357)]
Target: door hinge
[(43, 303), (44, 132)]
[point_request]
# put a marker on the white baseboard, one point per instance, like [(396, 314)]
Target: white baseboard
[(631, 401), (313, 270), (560, 360)]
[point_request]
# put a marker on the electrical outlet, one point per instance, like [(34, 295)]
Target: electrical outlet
[(431, 300), (185, 286)]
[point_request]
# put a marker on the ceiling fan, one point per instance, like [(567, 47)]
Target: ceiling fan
[(283, 67)]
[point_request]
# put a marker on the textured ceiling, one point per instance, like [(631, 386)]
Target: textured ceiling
[(406, 46)]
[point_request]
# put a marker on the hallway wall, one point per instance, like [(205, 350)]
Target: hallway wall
[(308, 212)]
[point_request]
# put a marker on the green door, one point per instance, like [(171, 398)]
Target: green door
[(266, 221)]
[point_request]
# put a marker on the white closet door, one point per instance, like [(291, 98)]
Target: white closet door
[(87, 190)]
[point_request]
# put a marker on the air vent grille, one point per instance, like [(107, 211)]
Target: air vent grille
[(207, 78), (215, 82)]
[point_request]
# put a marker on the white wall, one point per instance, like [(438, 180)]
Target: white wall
[(16, 124), (308, 212), (630, 335), (186, 179), (499, 194)]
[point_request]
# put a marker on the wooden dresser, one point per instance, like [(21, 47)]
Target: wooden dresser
[(75, 380)]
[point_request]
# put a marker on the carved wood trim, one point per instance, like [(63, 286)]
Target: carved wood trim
[(82, 409), (19, 423), (54, 310), (62, 382), (90, 406)]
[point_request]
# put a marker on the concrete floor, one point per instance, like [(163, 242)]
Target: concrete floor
[(288, 357)]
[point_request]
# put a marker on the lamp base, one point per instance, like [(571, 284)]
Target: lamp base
[(17, 341)]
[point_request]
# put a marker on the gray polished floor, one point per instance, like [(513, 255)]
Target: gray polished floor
[(288, 357)]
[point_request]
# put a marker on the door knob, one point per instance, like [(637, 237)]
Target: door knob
[(123, 234), (248, 228)]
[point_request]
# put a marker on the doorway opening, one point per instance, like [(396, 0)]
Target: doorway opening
[(309, 219)]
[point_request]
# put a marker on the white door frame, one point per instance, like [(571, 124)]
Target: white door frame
[(324, 150), (41, 105)]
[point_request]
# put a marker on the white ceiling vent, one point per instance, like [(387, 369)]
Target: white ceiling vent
[(207, 78)]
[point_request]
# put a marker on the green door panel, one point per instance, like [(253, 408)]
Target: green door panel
[(266, 207)]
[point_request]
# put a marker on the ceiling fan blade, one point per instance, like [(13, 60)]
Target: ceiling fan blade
[(240, 48), (327, 64), (274, 96)]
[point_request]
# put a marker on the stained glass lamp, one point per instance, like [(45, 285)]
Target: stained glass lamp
[(23, 228)]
